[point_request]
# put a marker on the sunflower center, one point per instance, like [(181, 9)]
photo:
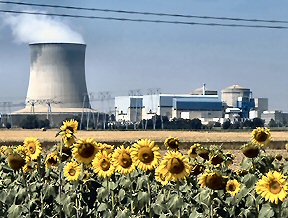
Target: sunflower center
[(32, 148), (162, 176), (86, 150), (145, 155), (193, 150), (125, 160), (231, 187), (275, 187), (72, 172), (175, 166), (105, 164), (52, 161), (261, 136), (173, 144)]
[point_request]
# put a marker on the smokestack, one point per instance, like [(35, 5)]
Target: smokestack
[(57, 74)]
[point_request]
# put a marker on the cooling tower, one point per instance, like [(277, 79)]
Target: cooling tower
[(57, 73)]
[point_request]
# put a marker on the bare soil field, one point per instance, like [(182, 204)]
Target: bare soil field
[(230, 140)]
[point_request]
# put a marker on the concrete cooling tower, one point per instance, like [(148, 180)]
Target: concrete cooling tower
[(57, 78)]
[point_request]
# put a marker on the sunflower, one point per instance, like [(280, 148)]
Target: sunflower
[(105, 147), (233, 187), (272, 187), (3, 148), (16, 161), (68, 130), (51, 160), (29, 166), (203, 152), (197, 169), (213, 180), (250, 150), (216, 159), (72, 171), (84, 150), (175, 165), (33, 147), (193, 150), (145, 154), (102, 164), (122, 160), (161, 177), (172, 143), (261, 136)]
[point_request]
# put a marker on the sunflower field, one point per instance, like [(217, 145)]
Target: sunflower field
[(83, 178)]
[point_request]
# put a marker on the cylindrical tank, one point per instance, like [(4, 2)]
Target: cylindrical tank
[(230, 94), (57, 74)]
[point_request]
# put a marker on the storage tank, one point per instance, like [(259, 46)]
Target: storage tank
[(57, 74), (230, 94)]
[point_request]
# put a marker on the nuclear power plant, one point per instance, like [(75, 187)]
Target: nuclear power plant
[(57, 84)]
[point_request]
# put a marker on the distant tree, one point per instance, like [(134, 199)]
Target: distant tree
[(217, 124), (226, 124), (8, 125), (272, 123), (30, 122), (257, 122), (235, 125), (196, 123)]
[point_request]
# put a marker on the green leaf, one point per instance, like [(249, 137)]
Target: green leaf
[(141, 181), (175, 202), (112, 185), (121, 194), (143, 198), (266, 211), (249, 180), (123, 213), (102, 207), (157, 208), (103, 193), (15, 211)]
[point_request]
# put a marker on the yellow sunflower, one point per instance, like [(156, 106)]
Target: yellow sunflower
[(33, 147), (68, 131), (272, 187), (161, 177), (105, 147), (193, 151), (261, 136), (175, 165), (172, 143), (102, 164), (145, 154), (250, 150), (233, 187), (51, 160), (3, 149), (29, 166), (72, 171), (122, 160), (84, 150)]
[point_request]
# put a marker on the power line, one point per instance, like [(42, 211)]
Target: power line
[(144, 20), (144, 13)]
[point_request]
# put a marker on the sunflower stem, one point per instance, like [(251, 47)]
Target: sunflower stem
[(27, 189), (112, 201), (131, 203), (60, 177), (179, 195), (211, 204), (149, 193), (42, 211)]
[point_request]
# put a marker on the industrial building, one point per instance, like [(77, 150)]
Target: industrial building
[(205, 107), (57, 85), (238, 102), (277, 116)]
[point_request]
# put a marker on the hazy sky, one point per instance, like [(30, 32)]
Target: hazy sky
[(123, 56)]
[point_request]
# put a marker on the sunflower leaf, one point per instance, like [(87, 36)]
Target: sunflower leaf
[(102, 207), (121, 194), (266, 211), (143, 198)]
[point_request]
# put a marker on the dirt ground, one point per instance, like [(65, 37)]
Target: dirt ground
[(159, 136)]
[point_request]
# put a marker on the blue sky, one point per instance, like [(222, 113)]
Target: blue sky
[(123, 56)]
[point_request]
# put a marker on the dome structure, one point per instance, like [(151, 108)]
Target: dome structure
[(230, 94)]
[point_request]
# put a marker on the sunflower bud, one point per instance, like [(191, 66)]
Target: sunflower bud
[(279, 157), (216, 181), (217, 159), (204, 153), (15, 161), (197, 169), (251, 151)]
